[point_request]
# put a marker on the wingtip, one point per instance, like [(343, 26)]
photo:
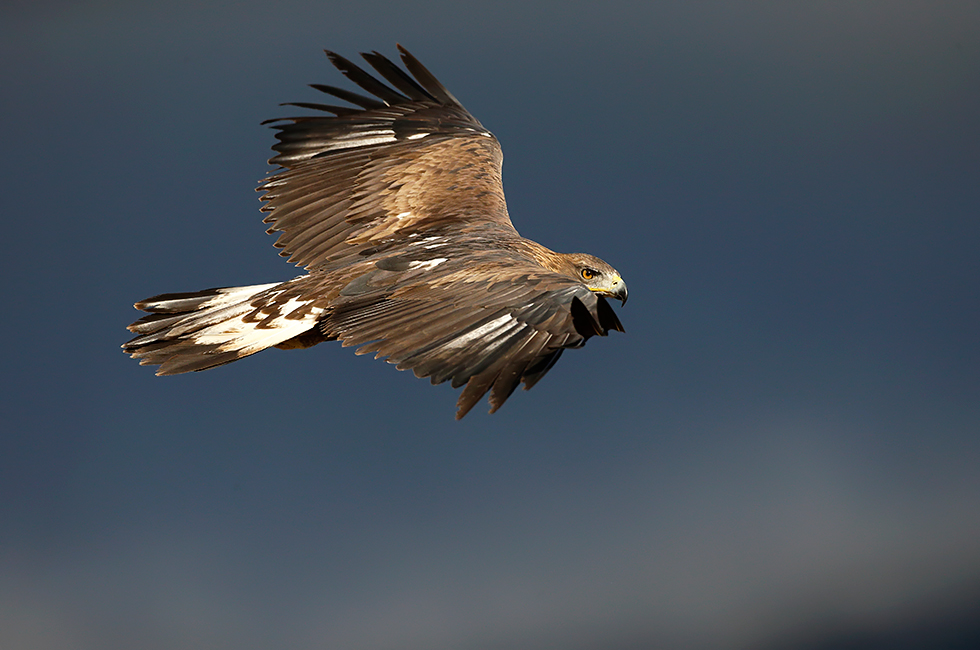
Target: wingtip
[(462, 409), (405, 55), (339, 61)]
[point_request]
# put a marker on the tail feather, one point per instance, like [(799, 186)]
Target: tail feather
[(171, 303), (185, 332)]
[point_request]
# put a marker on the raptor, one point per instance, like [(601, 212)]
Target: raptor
[(394, 206)]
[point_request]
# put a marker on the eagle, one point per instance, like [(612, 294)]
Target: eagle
[(394, 207)]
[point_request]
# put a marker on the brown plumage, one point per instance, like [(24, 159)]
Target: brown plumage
[(395, 207)]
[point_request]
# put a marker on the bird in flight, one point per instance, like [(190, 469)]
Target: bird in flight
[(395, 208)]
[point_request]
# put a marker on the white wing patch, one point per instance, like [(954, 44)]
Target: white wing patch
[(498, 327), (357, 139), (426, 242), (427, 264)]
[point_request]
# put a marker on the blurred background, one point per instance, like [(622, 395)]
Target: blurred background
[(783, 451)]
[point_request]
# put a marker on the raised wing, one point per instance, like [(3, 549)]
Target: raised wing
[(403, 162)]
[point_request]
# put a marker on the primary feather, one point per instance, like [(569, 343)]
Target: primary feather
[(395, 208)]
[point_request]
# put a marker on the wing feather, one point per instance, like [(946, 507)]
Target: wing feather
[(348, 96), (397, 77), (395, 206), (427, 79), (485, 376), (365, 81), (405, 162), (504, 323), (541, 365), (514, 371)]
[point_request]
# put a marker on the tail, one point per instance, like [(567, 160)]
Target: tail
[(196, 331)]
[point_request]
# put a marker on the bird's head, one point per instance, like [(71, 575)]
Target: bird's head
[(598, 276)]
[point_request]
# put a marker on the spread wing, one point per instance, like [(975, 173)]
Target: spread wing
[(396, 207), (404, 161), (462, 312)]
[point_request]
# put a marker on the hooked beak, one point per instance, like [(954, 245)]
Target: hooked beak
[(617, 290), (620, 292)]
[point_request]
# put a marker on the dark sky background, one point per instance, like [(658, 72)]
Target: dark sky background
[(783, 451)]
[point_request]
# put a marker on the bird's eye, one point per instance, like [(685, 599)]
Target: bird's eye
[(588, 274)]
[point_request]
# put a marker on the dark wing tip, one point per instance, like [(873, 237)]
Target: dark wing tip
[(365, 80), (426, 79), (398, 77)]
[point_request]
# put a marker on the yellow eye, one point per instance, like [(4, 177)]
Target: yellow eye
[(588, 274)]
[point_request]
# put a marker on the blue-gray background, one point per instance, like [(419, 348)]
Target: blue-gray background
[(782, 451)]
